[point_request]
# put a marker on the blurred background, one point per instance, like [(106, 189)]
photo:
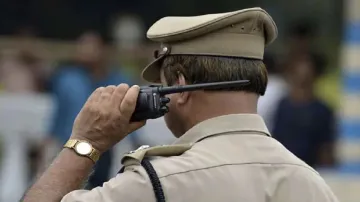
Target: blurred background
[(53, 54)]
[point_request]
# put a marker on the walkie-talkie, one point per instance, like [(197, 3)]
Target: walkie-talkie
[(151, 102)]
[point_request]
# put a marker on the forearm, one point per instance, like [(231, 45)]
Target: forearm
[(67, 173)]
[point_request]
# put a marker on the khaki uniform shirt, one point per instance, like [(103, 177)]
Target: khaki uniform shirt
[(232, 158)]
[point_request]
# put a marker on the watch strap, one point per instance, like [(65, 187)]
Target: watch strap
[(71, 143), (94, 155)]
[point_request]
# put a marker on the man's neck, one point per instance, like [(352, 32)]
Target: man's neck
[(220, 105)]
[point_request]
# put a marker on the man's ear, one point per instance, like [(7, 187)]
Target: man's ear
[(184, 96)]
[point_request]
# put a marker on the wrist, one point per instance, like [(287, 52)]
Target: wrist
[(72, 156), (95, 144), (83, 148)]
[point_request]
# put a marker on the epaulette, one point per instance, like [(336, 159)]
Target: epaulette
[(139, 157), (135, 157)]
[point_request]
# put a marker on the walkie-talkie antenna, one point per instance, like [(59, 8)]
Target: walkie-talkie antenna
[(202, 86)]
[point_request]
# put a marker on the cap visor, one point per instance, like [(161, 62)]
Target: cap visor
[(151, 73)]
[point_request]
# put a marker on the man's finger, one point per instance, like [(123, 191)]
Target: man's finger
[(118, 95), (94, 97), (107, 92), (110, 89), (105, 96), (128, 104)]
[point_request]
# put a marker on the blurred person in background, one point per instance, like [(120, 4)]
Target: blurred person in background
[(301, 35), (22, 67), (276, 89), (72, 84), (21, 71), (302, 122), (23, 75)]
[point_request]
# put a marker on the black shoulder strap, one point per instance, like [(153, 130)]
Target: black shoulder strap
[(154, 179)]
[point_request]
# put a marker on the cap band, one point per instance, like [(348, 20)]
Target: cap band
[(221, 44)]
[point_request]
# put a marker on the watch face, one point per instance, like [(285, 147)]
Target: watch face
[(83, 148)]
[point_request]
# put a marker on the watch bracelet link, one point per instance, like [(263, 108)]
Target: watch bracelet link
[(94, 155)]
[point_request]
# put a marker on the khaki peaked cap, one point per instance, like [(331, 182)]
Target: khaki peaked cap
[(243, 33)]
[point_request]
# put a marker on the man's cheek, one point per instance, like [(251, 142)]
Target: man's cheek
[(172, 100), (172, 110), (168, 121), (170, 107)]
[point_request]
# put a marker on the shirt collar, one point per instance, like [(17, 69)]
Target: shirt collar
[(224, 124)]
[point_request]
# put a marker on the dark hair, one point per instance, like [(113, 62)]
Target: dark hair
[(205, 69)]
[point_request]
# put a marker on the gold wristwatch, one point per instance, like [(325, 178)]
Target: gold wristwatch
[(83, 148)]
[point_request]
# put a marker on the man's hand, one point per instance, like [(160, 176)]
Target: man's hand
[(104, 119)]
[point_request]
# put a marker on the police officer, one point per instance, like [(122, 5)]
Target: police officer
[(224, 151)]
